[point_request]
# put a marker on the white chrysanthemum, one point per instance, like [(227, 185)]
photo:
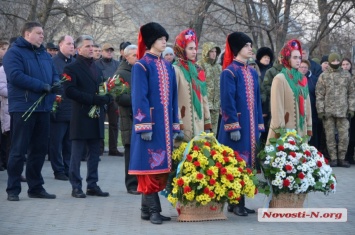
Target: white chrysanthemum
[(274, 164)]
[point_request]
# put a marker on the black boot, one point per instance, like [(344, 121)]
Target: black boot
[(163, 218), (239, 209), (230, 207), (153, 209), (145, 208)]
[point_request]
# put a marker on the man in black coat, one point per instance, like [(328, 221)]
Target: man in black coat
[(85, 132), (60, 144), (126, 118)]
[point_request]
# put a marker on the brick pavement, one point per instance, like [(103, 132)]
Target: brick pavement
[(120, 214)]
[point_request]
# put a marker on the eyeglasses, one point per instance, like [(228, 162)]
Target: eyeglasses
[(301, 67)]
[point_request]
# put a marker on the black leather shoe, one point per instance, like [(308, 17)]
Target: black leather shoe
[(62, 177), (164, 218), (249, 211), (78, 193), (96, 192), (134, 192), (13, 198), (43, 194), (240, 211), (115, 153)]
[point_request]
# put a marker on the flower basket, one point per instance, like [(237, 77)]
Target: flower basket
[(287, 200), (208, 174), (192, 213), (292, 168)]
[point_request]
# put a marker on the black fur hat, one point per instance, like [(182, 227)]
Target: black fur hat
[(151, 32), (237, 41), (264, 51)]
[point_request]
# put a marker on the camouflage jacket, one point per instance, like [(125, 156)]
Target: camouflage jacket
[(335, 93), (212, 70)]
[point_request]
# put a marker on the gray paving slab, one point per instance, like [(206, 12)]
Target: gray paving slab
[(120, 214)]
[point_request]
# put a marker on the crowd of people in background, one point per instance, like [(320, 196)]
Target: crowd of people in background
[(242, 95)]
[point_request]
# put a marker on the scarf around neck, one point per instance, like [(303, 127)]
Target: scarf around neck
[(197, 81), (298, 84)]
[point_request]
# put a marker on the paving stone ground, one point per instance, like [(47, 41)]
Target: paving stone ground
[(120, 214)]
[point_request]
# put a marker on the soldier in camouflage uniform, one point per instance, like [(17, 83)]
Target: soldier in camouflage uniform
[(335, 100), (210, 53)]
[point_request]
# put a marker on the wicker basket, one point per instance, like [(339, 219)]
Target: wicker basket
[(287, 200), (193, 213)]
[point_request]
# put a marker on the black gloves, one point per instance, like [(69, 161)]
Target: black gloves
[(47, 88), (102, 99), (56, 87)]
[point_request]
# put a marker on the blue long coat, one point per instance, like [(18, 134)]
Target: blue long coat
[(155, 109), (241, 109)]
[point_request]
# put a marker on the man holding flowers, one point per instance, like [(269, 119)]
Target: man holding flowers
[(31, 74), (85, 131)]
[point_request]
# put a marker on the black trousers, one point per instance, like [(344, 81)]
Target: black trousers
[(131, 181)]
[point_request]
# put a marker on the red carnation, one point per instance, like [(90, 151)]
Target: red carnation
[(319, 163), (326, 161), (226, 159), (240, 170), (280, 148), (212, 181), (249, 171), (189, 157), (293, 154), (197, 163), (332, 186), (225, 153), (66, 77), (236, 154), (242, 183), (211, 194), (223, 171), (301, 175), (319, 153), (187, 189), (218, 165), (304, 160), (308, 153), (180, 182), (196, 148), (206, 190), (199, 176), (230, 194), (213, 152), (207, 144), (286, 183), (209, 172), (239, 159), (230, 177), (292, 142), (288, 168)]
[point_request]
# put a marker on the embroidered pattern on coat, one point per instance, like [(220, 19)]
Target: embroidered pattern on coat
[(157, 158), (143, 127), (249, 90), (164, 89), (140, 115)]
